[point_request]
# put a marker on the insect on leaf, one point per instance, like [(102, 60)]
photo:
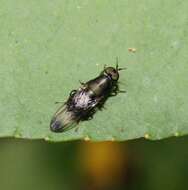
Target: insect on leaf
[(46, 48)]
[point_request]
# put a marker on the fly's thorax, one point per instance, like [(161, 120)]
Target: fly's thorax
[(100, 85)]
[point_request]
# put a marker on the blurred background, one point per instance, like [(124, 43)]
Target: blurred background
[(137, 164)]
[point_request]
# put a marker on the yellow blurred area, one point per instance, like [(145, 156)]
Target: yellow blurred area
[(105, 163)]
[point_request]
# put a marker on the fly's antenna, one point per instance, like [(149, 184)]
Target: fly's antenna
[(117, 61), (117, 66), (123, 68)]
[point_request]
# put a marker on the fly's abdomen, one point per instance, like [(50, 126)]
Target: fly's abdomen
[(63, 119)]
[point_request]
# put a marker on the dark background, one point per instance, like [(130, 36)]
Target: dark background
[(137, 164)]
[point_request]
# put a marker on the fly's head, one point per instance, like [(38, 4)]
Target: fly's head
[(112, 73)]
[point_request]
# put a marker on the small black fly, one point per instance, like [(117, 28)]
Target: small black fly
[(83, 103)]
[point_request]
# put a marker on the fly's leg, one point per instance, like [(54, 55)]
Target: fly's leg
[(121, 91), (72, 93), (90, 117), (101, 107), (59, 102), (116, 90), (100, 103), (76, 129), (90, 114), (82, 83)]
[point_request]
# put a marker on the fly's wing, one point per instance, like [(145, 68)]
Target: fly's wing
[(78, 107), (63, 120)]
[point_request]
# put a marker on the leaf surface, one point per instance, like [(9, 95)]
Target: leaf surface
[(46, 47)]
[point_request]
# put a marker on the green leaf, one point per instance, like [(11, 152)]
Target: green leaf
[(46, 47)]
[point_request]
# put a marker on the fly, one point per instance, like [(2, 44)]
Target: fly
[(83, 102)]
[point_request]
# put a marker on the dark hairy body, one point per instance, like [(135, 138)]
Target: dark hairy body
[(83, 103)]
